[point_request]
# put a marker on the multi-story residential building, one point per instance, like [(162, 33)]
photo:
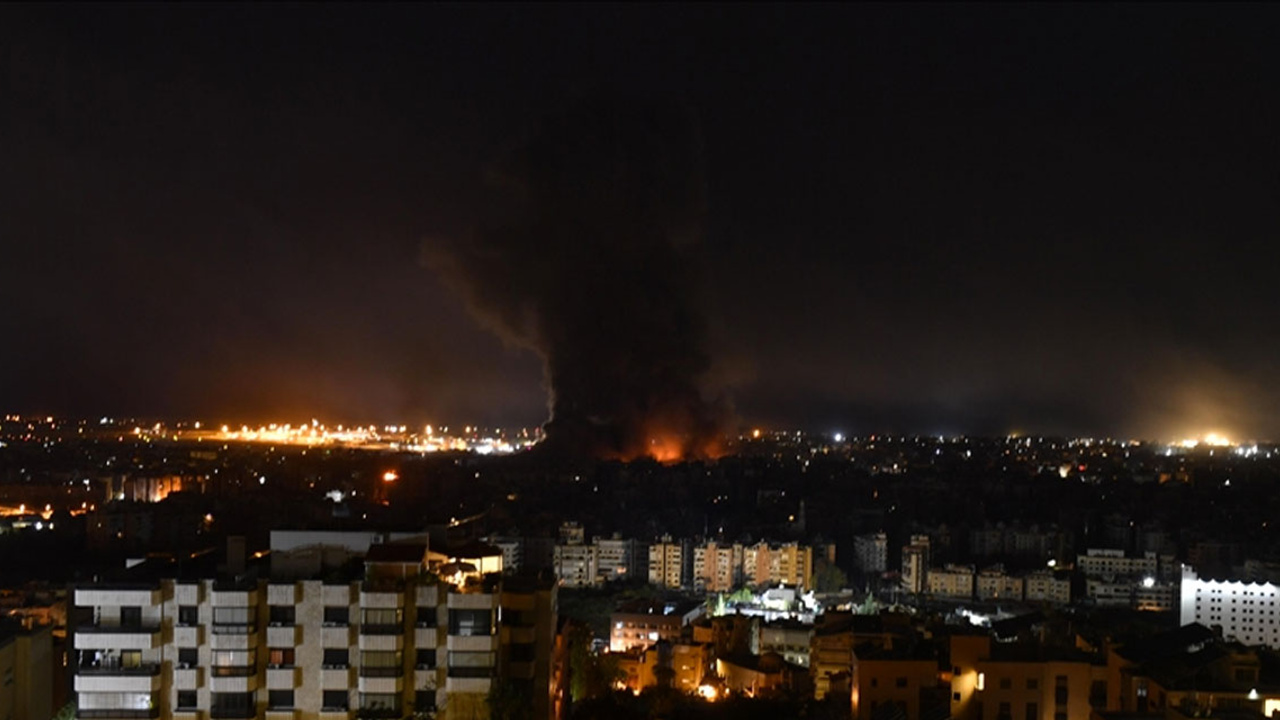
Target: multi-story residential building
[(26, 671), (577, 565), (893, 676), (773, 564), (1246, 612), (717, 567), (1046, 586), (952, 581), (789, 639), (667, 562), (871, 552), (642, 625), (995, 584), (991, 680), (617, 558), (1098, 562), (399, 641), (915, 568)]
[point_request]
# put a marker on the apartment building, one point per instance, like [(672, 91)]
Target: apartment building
[(667, 563), (1246, 612), (871, 552), (398, 641), (995, 584), (1048, 587), (718, 567), (772, 564), (951, 581), (991, 680)]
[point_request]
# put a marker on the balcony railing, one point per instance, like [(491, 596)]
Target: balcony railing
[(381, 629), (471, 672), (234, 670), (99, 628), (237, 713), (379, 713), (379, 671), (234, 628), (118, 714), (108, 669)]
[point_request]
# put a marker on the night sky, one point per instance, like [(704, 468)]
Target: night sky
[(933, 219)]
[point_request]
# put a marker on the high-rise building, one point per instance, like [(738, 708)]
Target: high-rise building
[(1244, 611)]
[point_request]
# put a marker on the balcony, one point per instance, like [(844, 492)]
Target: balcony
[(471, 672), (390, 671), (283, 636), (381, 685), (145, 679), (336, 678), (117, 713), (130, 594), (336, 636), (426, 637), (225, 713), (382, 642), (246, 628), (234, 593), (186, 678), (381, 629), (472, 643), (117, 637), (282, 678), (234, 683), (379, 713), (188, 635)]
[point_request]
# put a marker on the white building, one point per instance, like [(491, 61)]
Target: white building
[(915, 568), (398, 642), (617, 558), (1247, 612), (1045, 586), (576, 565)]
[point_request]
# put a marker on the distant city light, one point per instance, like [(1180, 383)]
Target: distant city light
[(390, 476)]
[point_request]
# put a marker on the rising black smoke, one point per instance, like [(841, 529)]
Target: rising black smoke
[(584, 257)]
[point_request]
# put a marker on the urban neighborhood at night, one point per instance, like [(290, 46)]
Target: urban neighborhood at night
[(639, 361)]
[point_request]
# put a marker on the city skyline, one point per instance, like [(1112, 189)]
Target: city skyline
[(934, 220)]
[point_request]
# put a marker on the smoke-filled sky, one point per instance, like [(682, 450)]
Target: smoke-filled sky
[(926, 218)]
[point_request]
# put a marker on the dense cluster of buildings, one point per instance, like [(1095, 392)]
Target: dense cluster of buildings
[(676, 564)]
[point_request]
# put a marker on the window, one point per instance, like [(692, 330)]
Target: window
[(425, 658), (281, 615), (1006, 683), (186, 699), (188, 615), (336, 657), (471, 664), (1033, 683), (280, 657), (334, 699), (382, 617), (1060, 690), (337, 615), (424, 700), (875, 682), (280, 699), (470, 622), (1033, 711), (232, 705), (131, 616), (234, 663), (379, 701), (900, 682), (233, 620), (1004, 712), (427, 616), (381, 663), (188, 657), (523, 652)]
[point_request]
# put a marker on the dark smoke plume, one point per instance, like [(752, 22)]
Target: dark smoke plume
[(584, 257)]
